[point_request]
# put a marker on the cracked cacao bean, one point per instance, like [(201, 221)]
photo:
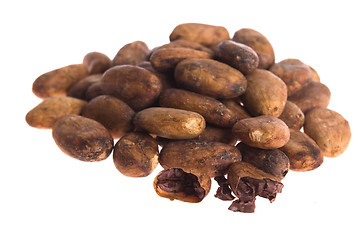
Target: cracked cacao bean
[(174, 183)]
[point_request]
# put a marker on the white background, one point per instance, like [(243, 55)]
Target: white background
[(46, 195)]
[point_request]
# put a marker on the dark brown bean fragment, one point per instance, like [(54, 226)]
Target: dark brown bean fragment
[(237, 55), (112, 112), (97, 62), (82, 138), (247, 182), (259, 43), (224, 191), (132, 53), (134, 85), (213, 111), (136, 154), (174, 183)]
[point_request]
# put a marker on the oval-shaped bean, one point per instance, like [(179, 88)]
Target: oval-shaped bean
[(259, 43), (82, 138), (293, 72), (51, 109), (210, 158), (114, 114), (136, 154), (237, 55), (266, 132), (166, 59), (134, 85), (266, 94), (303, 152), (210, 77), (170, 122), (212, 110), (293, 116), (330, 130), (58, 81), (314, 94), (208, 35), (132, 53), (97, 62)]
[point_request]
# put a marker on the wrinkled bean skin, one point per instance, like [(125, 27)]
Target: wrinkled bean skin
[(237, 55), (45, 114), (112, 112), (82, 138), (136, 154), (207, 35), (58, 81), (258, 43), (134, 85), (210, 77), (170, 122), (313, 94), (166, 59), (266, 94), (266, 132), (293, 72), (273, 161), (330, 130), (293, 116), (97, 62), (132, 53), (181, 43), (210, 158), (303, 152), (213, 111)]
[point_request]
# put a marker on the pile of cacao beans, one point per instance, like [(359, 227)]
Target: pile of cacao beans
[(204, 105)]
